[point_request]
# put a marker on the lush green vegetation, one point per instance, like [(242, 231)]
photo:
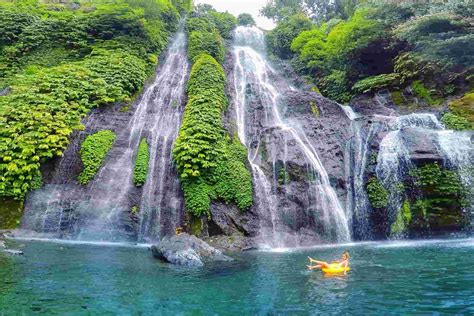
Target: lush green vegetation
[(461, 113), (348, 46), (207, 29), (438, 198), (140, 172), (206, 42), (211, 163), (59, 60), (11, 212), (245, 19), (94, 149), (206, 19), (402, 220), (280, 38), (378, 195)]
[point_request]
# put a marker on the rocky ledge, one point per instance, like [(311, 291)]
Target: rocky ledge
[(186, 250)]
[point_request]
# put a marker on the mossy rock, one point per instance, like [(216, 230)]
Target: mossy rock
[(10, 213), (464, 108), (196, 225)]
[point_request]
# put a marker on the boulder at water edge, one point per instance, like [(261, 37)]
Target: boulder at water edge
[(186, 250)]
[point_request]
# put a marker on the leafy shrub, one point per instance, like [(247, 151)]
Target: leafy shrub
[(402, 220), (245, 19), (440, 37), (433, 180), (200, 24), (202, 128), (206, 42), (327, 53), (335, 86), (211, 164), (375, 83), (224, 23), (421, 91), (210, 22), (458, 123), (140, 172), (94, 149), (280, 38), (439, 198), (378, 195), (464, 109)]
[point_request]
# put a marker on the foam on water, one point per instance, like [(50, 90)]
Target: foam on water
[(82, 242)]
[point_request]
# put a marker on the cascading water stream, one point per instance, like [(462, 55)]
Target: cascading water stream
[(253, 71), (394, 159), (101, 211)]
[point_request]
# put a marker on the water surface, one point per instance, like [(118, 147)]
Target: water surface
[(386, 278)]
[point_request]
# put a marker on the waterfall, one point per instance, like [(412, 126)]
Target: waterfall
[(257, 110), (394, 159), (102, 209), (458, 151), (357, 156)]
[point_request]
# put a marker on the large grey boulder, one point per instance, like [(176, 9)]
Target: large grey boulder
[(422, 145), (186, 250)]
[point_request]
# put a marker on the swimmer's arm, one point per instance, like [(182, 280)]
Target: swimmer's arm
[(311, 259), (346, 263)]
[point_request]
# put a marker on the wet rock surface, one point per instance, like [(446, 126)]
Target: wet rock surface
[(186, 250)]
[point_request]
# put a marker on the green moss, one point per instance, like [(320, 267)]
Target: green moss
[(140, 172), (440, 199), (10, 213), (434, 180), (378, 195), (134, 210), (398, 98), (464, 108), (402, 221), (315, 109), (124, 109), (421, 91), (378, 82), (196, 225), (94, 149), (283, 176), (458, 123)]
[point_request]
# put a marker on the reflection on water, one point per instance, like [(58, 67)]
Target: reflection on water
[(422, 277)]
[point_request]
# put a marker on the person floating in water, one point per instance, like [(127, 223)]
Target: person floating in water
[(343, 263)]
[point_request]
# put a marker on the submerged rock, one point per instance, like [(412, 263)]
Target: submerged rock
[(13, 251), (233, 243), (186, 250)]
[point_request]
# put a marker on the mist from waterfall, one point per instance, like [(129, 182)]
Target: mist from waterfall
[(252, 71), (102, 209)]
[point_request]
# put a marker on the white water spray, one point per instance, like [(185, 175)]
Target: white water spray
[(252, 68)]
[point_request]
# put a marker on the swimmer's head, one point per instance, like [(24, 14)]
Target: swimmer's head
[(345, 255)]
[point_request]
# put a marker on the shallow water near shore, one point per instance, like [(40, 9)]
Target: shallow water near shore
[(386, 278)]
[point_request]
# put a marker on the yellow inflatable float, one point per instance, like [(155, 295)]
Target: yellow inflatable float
[(335, 268)]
